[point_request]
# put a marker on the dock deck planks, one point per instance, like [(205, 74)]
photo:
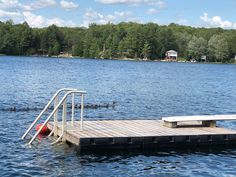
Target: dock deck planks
[(141, 133)]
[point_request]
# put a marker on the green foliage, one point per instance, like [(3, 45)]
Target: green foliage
[(123, 40), (230, 36), (218, 49), (197, 47), (183, 39), (15, 39), (54, 50), (77, 49), (146, 50)]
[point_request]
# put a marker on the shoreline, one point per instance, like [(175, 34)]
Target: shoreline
[(118, 59), (132, 59)]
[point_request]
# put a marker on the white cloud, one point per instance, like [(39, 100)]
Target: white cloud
[(16, 5), (13, 4), (33, 20), (159, 3), (153, 11), (92, 16), (123, 13), (157, 6), (118, 1), (68, 5), (217, 21), (18, 12), (60, 22), (182, 22), (42, 4), (39, 21), (7, 14)]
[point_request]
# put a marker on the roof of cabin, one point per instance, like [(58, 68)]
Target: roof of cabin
[(171, 51)]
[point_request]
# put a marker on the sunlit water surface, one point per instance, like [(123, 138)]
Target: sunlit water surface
[(140, 90)]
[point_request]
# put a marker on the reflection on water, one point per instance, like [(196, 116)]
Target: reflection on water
[(139, 89)]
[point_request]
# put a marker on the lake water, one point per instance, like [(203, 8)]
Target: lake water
[(141, 90)]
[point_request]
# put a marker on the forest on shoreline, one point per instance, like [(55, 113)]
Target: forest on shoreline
[(124, 40)]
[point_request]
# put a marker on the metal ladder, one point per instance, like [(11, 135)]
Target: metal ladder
[(54, 113)]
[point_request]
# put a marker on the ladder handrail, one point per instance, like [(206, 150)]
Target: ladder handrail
[(55, 109), (45, 108)]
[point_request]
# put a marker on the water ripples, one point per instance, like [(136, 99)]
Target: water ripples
[(139, 89)]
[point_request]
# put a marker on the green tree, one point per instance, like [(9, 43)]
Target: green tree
[(218, 48), (197, 47), (167, 41), (146, 50), (182, 39), (53, 40), (230, 36), (77, 49), (26, 38), (8, 45), (121, 40)]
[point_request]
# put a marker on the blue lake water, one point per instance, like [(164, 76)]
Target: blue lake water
[(141, 90)]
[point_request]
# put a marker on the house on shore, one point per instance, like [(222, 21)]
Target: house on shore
[(171, 55)]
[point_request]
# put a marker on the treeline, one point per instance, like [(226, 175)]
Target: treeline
[(123, 40)]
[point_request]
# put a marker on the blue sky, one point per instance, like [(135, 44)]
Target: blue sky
[(197, 13)]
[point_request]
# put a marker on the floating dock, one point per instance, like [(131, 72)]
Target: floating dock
[(180, 131), (141, 134)]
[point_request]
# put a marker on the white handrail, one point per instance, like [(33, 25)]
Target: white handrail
[(72, 108), (54, 130), (52, 113), (64, 115), (82, 113), (45, 108)]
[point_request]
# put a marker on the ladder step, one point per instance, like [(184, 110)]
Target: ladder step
[(57, 105), (31, 136), (28, 136)]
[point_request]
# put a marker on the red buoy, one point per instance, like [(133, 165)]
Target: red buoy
[(44, 130)]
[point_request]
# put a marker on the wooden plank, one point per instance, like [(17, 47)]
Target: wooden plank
[(94, 131), (128, 129), (102, 128), (99, 129), (106, 133)]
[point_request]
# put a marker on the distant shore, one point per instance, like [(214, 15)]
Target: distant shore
[(181, 60), (69, 56)]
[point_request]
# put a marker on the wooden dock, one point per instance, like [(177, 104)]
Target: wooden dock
[(139, 134)]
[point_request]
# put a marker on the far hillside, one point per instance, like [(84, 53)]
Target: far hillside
[(123, 40)]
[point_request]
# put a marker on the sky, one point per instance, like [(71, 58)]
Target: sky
[(78, 13)]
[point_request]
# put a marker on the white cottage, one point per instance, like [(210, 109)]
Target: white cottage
[(172, 55)]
